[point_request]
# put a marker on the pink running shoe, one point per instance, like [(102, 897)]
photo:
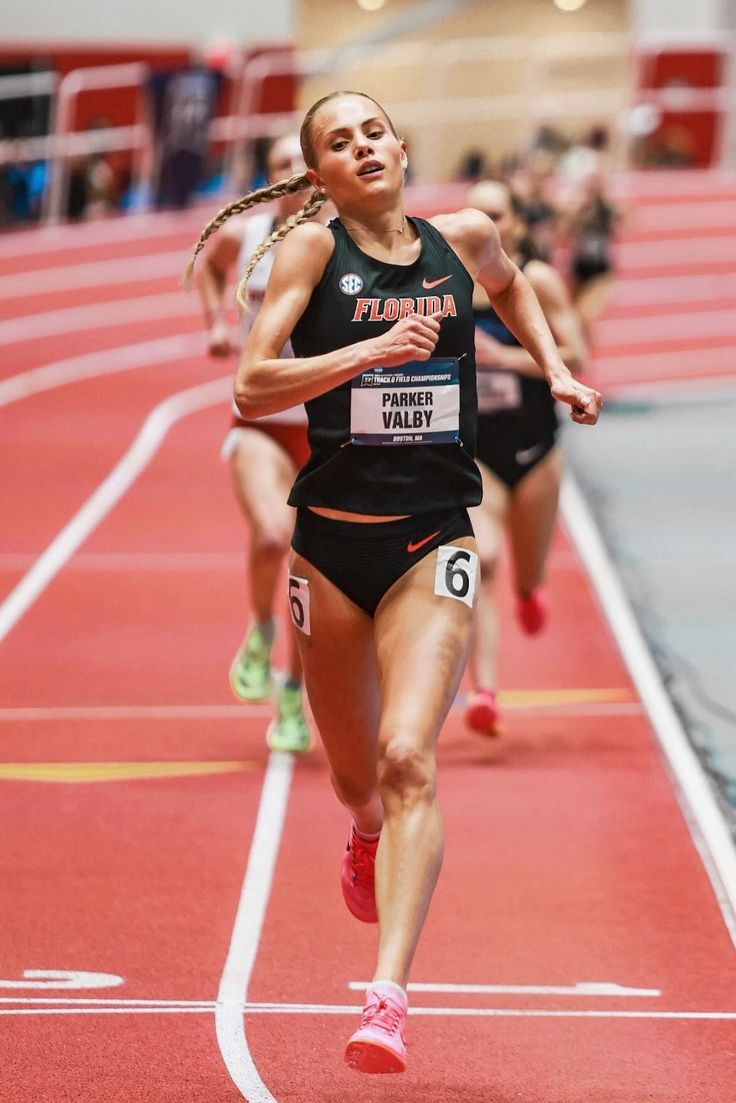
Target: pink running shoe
[(531, 612), (379, 1043), (357, 878), (483, 714)]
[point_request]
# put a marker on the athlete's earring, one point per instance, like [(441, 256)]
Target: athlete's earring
[(404, 162)]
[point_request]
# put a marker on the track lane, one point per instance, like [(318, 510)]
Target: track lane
[(532, 782)]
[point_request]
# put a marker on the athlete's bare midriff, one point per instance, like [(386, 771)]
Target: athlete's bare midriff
[(343, 515)]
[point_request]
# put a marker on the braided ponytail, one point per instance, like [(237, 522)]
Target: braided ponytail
[(262, 195), (308, 211)]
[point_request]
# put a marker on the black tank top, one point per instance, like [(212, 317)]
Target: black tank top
[(536, 403), (357, 298)]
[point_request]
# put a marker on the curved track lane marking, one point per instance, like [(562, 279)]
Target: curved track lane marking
[(93, 273), (113, 312), (707, 826), (108, 493), (231, 996), (90, 365)]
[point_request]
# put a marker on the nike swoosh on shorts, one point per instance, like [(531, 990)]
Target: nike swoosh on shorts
[(413, 546)]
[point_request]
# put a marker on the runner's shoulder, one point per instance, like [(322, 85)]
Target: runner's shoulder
[(308, 247), (468, 225)]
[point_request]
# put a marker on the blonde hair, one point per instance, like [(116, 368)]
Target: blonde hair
[(261, 195), (276, 191)]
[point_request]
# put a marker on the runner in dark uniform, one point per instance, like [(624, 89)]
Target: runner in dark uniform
[(516, 449), (383, 570)]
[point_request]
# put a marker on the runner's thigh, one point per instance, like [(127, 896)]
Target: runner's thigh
[(340, 671), (422, 641)]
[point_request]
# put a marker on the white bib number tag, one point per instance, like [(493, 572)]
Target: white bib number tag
[(416, 403), (299, 603), (498, 390), (455, 573)]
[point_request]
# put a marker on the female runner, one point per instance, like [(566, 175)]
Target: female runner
[(384, 565)]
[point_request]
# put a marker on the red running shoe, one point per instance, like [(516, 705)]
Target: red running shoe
[(357, 878), (483, 714), (379, 1043), (531, 612)]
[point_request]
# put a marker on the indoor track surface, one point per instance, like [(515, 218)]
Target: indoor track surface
[(171, 920)]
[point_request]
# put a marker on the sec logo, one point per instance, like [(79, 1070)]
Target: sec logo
[(351, 283)]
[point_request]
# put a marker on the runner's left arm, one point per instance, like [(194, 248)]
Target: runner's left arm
[(476, 239)]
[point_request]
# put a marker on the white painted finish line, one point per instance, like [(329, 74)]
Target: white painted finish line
[(582, 988), (112, 1007)]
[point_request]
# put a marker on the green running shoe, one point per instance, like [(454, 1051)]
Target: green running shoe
[(289, 730), (250, 673)]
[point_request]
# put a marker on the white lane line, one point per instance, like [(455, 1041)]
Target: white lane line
[(108, 493), (229, 1020), (144, 354), (654, 328), (582, 988), (675, 254), (707, 826), (94, 273), (659, 290), (64, 238), (703, 369), (704, 215), (119, 312), (257, 1091)]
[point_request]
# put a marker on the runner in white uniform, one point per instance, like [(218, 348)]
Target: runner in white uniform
[(263, 456)]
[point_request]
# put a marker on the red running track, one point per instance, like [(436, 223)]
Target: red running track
[(577, 930)]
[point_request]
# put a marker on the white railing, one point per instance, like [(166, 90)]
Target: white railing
[(138, 138), (432, 108)]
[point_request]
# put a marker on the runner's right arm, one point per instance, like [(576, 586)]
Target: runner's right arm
[(265, 383)]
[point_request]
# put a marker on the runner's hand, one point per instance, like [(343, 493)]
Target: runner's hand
[(220, 341), (411, 338), (585, 402)]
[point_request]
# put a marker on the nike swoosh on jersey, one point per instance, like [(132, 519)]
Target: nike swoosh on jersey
[(413, 546), (429, 284)]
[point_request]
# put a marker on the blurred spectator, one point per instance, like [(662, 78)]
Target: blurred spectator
[(92, 186), (551, 140), (586, 157), (185, 103), (534, 184), (472, 166), (590, 223), (21, 188)]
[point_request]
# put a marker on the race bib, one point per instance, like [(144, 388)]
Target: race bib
[(455, 573), (416, 403), (498, 390)]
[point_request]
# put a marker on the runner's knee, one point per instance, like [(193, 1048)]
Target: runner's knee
[(406, 772), (271, 537), (352, 792)]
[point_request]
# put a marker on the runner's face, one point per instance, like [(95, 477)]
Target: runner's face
[(358, 158), (285, 159)]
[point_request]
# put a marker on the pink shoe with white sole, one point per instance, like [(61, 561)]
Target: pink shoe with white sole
[(379, 1043)]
